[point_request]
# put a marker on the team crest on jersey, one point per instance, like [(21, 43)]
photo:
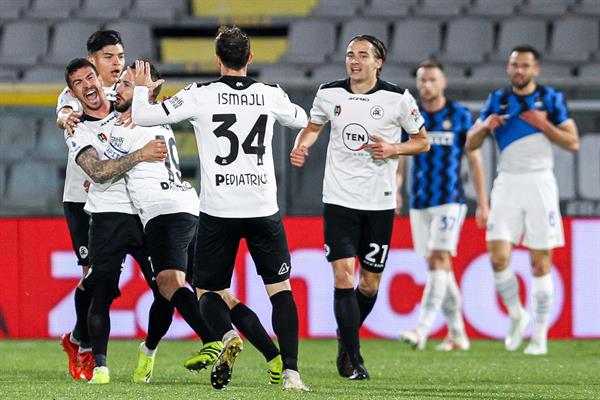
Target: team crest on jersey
[(355, 137), (377, 112), (337, 110), (447, 124), (83, 252), (102, 137)]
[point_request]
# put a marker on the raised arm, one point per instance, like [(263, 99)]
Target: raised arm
[(305, 139), (102, 171), (289, 114)]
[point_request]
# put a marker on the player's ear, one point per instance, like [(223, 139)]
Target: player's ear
[(250, 57), (218, 61)]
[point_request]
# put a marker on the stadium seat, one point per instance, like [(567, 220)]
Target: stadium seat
[(156, 9), (441, 8), (51, 9), (276, 73), (8, 75), (137, 39), (414, 40), (588, 7), (389, 9), (328, 72), (564, 170), (590, 73), (32, 184), (23, 42), (17, 137), (548, 8), (302, 37), (69, 42), (45, 74), (468, 40), (573, 40), (519, 30), (102, 10), (401, 75), (493, 74), (51, 142), (337, 8), (493, 8), (11, 9), (359, 26)]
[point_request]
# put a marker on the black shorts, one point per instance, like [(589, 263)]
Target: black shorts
[(169, 238), (112, 237), (78, 222), (362, 233), (217, 245)]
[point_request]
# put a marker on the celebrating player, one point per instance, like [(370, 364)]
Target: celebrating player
[(526, 119), (437, 208), (366, 115), (105, 51), (233, 120)]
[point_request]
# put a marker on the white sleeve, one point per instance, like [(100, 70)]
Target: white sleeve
[(318, 115), (180, 107), (66, 100), (411, 119), (79, 141), (287, 113)]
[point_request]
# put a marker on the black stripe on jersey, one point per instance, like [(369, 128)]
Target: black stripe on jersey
[(237, 82), (86, 117), (165, 108), (380, 85), (81, 151)]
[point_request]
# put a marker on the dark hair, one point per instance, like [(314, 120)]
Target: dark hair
[(99, 39), (378, 46), (233, 47), (154, 75), (431, 63), (526, 48), (77, 64)]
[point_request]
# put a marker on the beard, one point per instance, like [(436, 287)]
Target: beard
[(122, 107), (521, 85)]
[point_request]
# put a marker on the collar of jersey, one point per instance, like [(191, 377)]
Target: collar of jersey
[(378, 86), (86, 117), (233, 81)]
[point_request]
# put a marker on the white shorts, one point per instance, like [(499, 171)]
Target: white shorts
[(525, 206), (437, 228)]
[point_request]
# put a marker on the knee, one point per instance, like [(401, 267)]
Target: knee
[(369, 289), (499, 261), (540, 268), (344, 278), (439, 260)]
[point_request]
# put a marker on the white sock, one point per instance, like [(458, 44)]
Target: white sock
[(433, 295), (508, 288), (543, 294), (451, 307), (148, 352)]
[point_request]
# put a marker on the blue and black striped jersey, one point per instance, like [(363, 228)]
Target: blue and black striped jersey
[(435, 177)]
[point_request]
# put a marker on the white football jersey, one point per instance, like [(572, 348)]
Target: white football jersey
[(353, 178), (233, 119), (156, 188), (111, 196), (74, 176)]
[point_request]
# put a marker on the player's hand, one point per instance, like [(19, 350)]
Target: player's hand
[(86, 185), (298, 156), (125, 119), (381, 149), (141, 75), (481, 216), (154, 150), (536, 118), (70, 122), (494, 120), (398, 202)]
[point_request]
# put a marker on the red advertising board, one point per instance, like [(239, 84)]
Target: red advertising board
[(40, 273)]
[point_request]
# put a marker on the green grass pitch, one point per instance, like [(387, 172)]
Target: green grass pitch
[(37, 370)]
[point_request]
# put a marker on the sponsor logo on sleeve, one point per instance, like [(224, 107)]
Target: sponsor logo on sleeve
[(176, 102), (416, 114)]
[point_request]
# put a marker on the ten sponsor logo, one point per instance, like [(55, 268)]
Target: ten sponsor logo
[(355, 137)]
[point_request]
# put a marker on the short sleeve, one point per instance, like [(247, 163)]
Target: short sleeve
[(560, 111), (287, 113), (182, 105), (411, 119), (487, 109), (66, 100), (79, 141), (318, 115)]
